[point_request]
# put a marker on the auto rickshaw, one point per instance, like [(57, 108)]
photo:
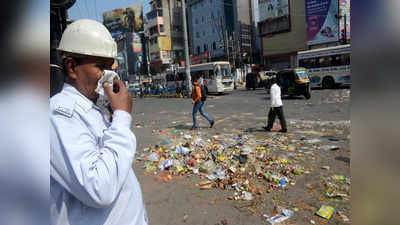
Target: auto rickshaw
[(265, 78), (294, 82), (251, 81)]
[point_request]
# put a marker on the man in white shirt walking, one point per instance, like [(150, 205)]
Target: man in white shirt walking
[(91, 177), (276, 107)]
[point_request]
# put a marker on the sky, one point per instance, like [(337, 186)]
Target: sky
[(93, 9)]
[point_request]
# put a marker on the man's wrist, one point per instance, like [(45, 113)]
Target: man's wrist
[(122, 117)]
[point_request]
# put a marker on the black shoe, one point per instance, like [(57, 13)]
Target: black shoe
[(267, 129), (211, 124), (193, 128), (283, 131)]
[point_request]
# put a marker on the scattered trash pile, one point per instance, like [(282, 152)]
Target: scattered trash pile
[(248, 165), (338, 96)]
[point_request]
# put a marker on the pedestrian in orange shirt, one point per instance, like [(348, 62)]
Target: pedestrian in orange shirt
[(198, 100)]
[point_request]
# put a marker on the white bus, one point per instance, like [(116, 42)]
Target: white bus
[(217, 76), (328, 67)]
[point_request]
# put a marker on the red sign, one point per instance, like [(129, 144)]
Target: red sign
[(197, 59)]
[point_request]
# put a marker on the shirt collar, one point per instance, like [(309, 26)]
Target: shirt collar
[(81, 100)]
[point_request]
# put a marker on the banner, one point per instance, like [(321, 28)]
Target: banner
[(322, 21), (127, 19), (274, 16), (344, 7), (271, 9)]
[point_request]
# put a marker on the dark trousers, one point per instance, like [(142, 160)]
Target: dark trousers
[(273, 112)]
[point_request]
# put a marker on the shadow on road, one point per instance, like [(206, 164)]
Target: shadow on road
[(287, 98), (344, 159), (181, 127), (254, 129), (336, 88)]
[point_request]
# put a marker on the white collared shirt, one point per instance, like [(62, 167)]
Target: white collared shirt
[(275, 94), (92, 181)]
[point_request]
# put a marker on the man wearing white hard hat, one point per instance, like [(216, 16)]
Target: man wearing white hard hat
[(92, 180)]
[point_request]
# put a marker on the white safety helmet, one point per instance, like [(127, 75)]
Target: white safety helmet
[(88, 37)]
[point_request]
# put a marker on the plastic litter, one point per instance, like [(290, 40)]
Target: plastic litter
[(330, 147), (286, 214), (165, 164), (182, 150), (326, 212), (153, 157), (283, 182), (313, 141), (247, 196)]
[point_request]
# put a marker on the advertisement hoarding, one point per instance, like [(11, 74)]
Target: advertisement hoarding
[(127, 19), (274, 16), (344, 7), (322, 21), (271, 9)]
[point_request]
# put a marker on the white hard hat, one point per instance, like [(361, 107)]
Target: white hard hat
[(88, 37)]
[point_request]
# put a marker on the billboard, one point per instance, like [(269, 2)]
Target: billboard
[(271, 9), (322, 21), (274, 16), (344, 7), (127, 19)]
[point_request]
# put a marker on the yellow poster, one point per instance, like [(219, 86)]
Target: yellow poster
[(164, 43)]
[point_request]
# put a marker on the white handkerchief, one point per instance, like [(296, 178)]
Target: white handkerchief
[(108, 76)]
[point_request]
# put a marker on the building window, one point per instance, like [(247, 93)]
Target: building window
[(197, 35), (198, 49), (161, 28), (214, 46), (197, 21), (204, 33), (160, 13), (202, 19), (212, 15), (205, 47)]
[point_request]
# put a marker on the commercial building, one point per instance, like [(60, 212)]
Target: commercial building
[(164, 31), (218, 29), (282, 28), (289, 26)]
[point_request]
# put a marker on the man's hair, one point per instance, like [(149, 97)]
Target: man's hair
[(274, 80)]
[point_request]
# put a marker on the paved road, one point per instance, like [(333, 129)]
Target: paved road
[(241, 110)]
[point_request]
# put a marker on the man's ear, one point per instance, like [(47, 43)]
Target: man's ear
[(70, 65)]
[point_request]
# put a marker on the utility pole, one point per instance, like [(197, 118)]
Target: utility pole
[(345, 29), (185, 37), (234, 50), (227, 45)]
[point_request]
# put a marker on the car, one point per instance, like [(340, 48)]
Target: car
[(251, 81)]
